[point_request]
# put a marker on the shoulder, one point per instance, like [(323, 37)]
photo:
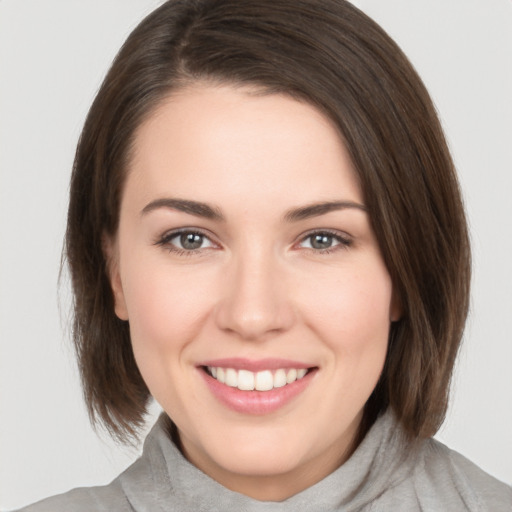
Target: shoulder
[(101, 499), (134, 489), (425, 475), (450, 475)]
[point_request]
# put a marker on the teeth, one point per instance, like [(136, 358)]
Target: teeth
[(245, 380), (232, 378), (259, 381), (301, 372), (291, 376), (280, 379), (264, 381)]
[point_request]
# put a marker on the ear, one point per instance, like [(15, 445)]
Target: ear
[(111, 254)]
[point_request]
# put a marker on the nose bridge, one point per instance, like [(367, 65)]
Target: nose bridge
[(255, 301)]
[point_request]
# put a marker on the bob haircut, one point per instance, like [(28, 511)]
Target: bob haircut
[(331, 55)]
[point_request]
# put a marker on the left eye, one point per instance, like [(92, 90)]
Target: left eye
[(322, 241), (189, 241)]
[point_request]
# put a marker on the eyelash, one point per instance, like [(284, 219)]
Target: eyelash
[(344, 242), (165, 241)]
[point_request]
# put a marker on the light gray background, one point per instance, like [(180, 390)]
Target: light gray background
[(53, 55)]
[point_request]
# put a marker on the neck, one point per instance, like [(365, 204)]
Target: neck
[(277, 485)]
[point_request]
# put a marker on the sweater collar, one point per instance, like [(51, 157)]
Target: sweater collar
[(382, 460)]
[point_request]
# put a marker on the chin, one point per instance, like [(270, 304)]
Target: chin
[(261, 450)]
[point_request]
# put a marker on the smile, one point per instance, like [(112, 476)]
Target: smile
[(264, 380), (256, 387)]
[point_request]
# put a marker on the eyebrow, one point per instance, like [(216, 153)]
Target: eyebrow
[(316, 209), (187, 206), (207, 211)]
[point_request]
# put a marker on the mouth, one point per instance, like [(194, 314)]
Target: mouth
[(264, 380), (256, 388)]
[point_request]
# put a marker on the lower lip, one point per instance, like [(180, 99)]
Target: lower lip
[(256, 402)]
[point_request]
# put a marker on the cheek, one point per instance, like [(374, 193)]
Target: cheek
[(355, 326), (166, 310), (352, 310), (166, 307)]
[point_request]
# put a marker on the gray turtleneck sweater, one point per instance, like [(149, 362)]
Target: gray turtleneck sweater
[(385, 473)]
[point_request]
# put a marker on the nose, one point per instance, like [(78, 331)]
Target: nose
[(255, 301)]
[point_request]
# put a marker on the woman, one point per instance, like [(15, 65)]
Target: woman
[(265, 234)]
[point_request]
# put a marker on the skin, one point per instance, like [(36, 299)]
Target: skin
[(256, 287)]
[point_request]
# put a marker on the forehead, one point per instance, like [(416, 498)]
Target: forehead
[(235, 142)]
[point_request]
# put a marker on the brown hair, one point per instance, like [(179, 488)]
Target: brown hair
[(333, 56)]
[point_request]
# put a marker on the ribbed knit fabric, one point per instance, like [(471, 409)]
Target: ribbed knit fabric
[(385, 474)]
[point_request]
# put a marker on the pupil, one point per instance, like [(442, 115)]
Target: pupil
[(321, 241), (191, 241)]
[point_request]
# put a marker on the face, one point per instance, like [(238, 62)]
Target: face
[(258, 301)]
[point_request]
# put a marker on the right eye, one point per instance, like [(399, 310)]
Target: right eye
[(186, 241)]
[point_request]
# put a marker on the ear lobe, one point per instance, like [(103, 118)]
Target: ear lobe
[(110, 252)]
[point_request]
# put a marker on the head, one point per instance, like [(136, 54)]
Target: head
[(341, 69)]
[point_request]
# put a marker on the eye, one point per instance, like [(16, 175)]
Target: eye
[(185, 241), (323, 241), (190, 241)]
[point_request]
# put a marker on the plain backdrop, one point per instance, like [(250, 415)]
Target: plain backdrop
[(53, 55)]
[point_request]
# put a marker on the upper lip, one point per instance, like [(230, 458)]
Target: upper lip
[(255, 365)]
